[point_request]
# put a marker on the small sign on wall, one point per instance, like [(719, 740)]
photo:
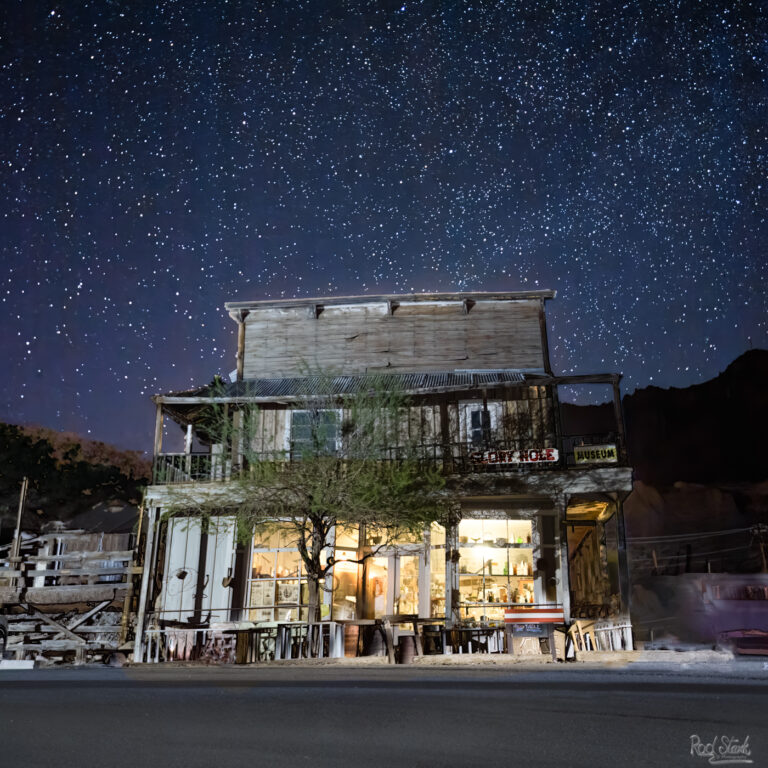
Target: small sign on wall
[(595, 454), (524, 456)]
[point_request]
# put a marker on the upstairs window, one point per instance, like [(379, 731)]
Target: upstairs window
[(479, 425), (315, 433)]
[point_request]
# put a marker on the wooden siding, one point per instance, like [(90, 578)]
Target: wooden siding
[(269, 430), (527, 420), (416, 337)]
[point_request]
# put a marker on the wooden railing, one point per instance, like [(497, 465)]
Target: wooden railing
[(44, 579), (458, 458), (266, 641)]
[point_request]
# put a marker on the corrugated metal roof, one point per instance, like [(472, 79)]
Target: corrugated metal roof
[(304, 386), (348, 385)]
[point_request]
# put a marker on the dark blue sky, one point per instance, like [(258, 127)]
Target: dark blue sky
[(161, 158)]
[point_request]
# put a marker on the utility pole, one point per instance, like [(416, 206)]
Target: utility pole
[(16, 546)]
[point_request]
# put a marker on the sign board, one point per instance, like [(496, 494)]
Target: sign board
[(546, 614), (523, 456), (529, 630), (595, 454)]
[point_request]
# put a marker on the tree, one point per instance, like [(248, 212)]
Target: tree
[(351, 463)]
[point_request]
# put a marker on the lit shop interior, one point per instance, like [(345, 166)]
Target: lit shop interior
[(502, 562)]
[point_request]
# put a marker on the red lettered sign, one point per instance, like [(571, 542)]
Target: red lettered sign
[(523, 456)]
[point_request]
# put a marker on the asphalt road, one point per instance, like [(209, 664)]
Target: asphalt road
[(394, 717)]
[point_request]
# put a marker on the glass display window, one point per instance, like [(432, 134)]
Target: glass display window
[(407, 595), (495, 532), (437, 571), (263, 565), (347, 537), (288, 564), (291, 614), (496, 566), (288, 592), (437, 535), (261, 614), (378, 538), (345, 577), (277, 588), (272, 537), (377, 586)]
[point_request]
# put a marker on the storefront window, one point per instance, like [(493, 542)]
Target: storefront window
[(278, 591), (437, 571), (345, 576), (495, 567), (346, 537), (377, 587), (345, 573), (407, 595)]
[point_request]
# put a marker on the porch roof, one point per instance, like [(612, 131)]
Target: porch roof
[(295, 389)]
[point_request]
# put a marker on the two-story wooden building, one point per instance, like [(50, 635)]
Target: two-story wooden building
[(538, 511)]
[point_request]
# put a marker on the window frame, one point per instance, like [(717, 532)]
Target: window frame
[(467, 408), (289, 440)]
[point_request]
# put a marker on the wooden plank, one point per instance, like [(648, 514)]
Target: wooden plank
[(78, 620), (112, 556), (61, 629), (61, 645), (84, 593), (54, 573), (46, 630)]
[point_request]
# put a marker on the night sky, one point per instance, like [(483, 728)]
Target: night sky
[(159, 159)]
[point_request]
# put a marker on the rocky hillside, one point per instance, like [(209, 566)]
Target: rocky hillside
[(710, 432)]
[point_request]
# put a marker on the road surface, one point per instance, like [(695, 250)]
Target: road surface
[(384, 716)]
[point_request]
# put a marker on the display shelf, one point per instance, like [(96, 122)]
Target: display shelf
[(497, 575), (494, 605)]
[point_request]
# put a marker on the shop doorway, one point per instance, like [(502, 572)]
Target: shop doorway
[(392, 584), (592, 555)]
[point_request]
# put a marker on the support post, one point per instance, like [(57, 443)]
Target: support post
[(239, 318), (188, 452), (619, 414), (146, 577), (624, 591), (558, 425), (561, 545), (452, 606), (158, 444)]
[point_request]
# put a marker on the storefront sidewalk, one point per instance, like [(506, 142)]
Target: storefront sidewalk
[(583, 660)]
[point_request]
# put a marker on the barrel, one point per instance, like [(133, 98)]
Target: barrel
[(374, 644), (351, 637), (406, 649)]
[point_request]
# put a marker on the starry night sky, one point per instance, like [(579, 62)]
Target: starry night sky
[(161, 158)]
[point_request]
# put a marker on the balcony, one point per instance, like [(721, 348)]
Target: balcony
[(575, 452)]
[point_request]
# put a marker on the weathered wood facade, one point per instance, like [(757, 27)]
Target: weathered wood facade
[(484, 408), (396, 333)]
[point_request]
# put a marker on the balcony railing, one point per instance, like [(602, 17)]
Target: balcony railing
[(174, 468), (453, 458)]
